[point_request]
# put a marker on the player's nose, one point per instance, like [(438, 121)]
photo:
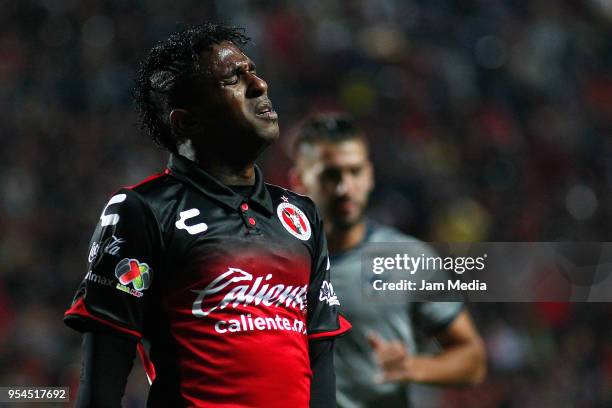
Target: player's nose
[(257, 87), (341, 188), (346, 184)]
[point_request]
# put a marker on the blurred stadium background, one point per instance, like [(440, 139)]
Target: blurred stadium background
[(489, 121)]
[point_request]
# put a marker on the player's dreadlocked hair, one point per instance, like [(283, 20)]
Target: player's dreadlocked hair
[(326, 127), (163, 76)]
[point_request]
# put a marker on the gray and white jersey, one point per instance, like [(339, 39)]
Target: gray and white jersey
[(354, 361)]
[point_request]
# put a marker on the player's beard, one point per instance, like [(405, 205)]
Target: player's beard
[(343, 222)]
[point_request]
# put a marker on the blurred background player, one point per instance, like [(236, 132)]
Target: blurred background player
[(376, 361)]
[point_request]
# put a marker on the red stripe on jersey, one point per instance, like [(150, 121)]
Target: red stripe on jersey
[(147, 364), (345, 326), (150, 178), (79, 309)]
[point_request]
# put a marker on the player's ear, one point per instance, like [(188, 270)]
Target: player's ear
[(183, 122), (295, 180)]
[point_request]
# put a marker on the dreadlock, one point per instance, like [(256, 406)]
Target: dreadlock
[(163, 76)]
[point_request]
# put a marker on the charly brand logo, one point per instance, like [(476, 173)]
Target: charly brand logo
[(249, 291), (111, 218), (294, 220), (191, 229), (328, 295), (134, 272), (110, 246)]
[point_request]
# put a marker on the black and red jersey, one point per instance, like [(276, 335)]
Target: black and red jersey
[(227, 290)]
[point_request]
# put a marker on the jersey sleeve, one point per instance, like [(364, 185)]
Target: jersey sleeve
[(123, 259), (324, 319), (435, 316)]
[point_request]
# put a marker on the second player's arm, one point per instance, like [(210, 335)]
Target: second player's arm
[(462, 360)]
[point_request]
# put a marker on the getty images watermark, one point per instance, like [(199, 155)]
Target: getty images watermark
[(412, 264), (488, 272)]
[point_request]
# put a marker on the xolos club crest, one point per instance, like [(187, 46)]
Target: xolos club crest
[(294, 220)]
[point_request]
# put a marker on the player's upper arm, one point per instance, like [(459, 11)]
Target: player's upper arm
[(124, 256), (462, 332), (435, 316), (324, 319)]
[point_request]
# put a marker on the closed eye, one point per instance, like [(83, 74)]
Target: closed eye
[(239, 71)]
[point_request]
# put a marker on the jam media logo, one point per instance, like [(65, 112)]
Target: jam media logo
[(294, 220), (131, 271), (249, 291), (328, 295)]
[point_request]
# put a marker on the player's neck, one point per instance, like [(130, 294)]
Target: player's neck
[(231, 173), (341, 240)]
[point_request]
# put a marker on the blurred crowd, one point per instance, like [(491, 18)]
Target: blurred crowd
[(489, 120)]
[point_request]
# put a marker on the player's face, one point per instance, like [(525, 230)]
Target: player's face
[(339, 178), (235, 101)]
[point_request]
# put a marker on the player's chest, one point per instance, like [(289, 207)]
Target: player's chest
[(207, 243), (360, 302)]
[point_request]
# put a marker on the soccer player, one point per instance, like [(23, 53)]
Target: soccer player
[(227, 277), (377, 359)]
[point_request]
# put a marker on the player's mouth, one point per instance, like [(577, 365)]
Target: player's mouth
[(346, 206), (265, 111)]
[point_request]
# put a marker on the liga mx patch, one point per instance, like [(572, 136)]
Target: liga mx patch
[(294, 220), (131, 271)]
